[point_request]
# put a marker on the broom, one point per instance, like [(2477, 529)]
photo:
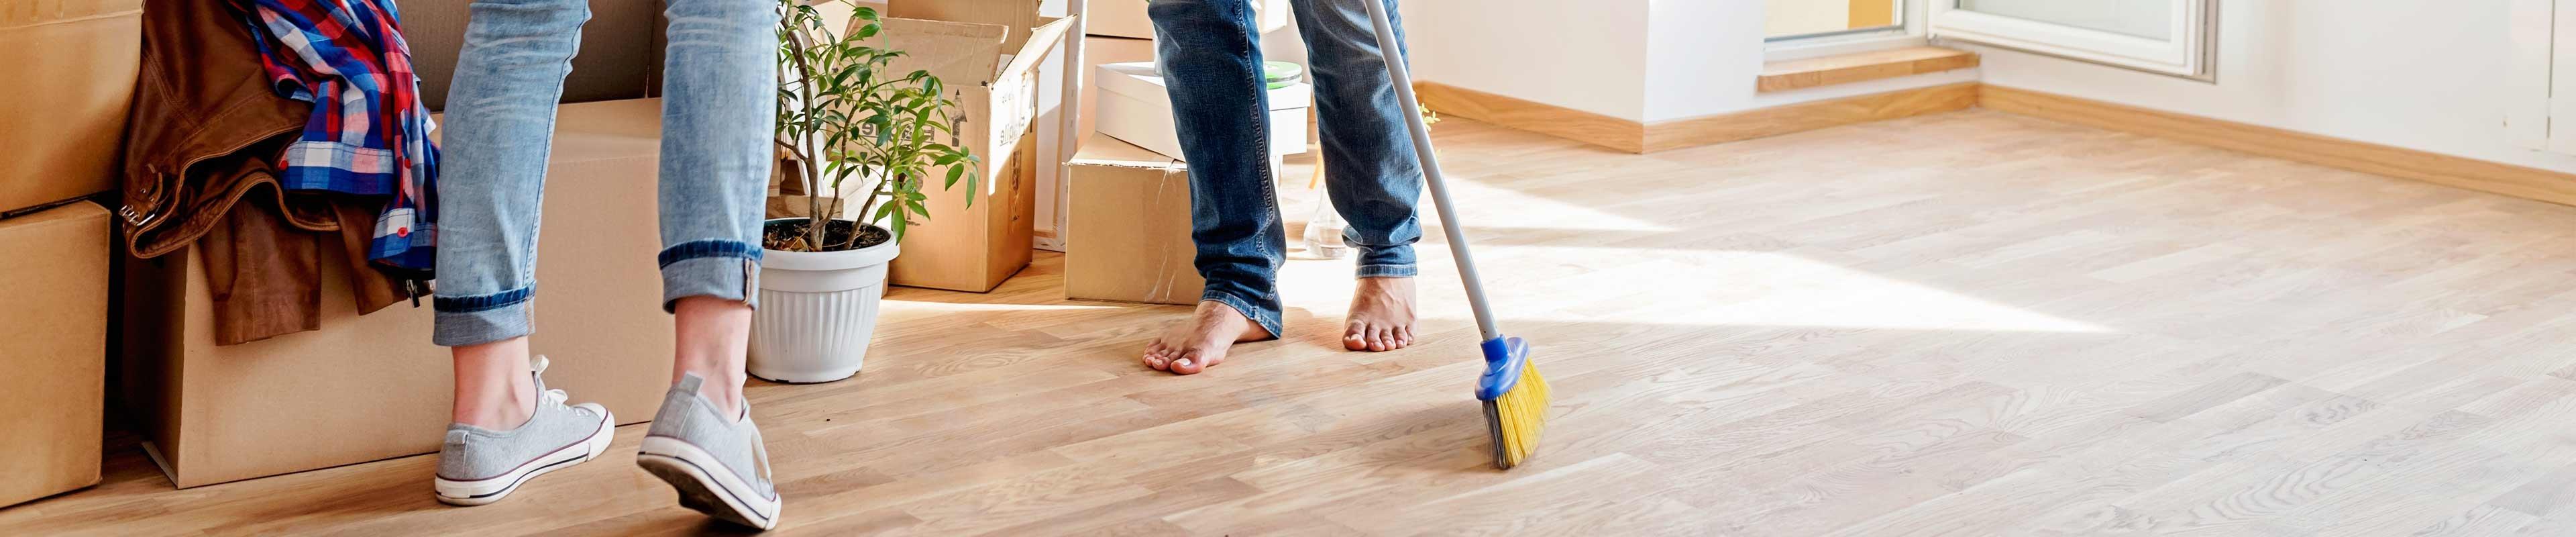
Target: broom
[(1514, 396)]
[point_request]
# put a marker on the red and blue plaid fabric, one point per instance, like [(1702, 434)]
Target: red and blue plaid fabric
[(369, 134)]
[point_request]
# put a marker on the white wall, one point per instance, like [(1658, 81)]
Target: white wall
[(1701, 57), (2429, 76), (1589, 56)]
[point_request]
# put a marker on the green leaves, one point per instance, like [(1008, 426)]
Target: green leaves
[(844, 114)]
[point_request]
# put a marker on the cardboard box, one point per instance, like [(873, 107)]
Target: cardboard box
[(1127, 18), (53, 342), (70, 67), (372, 387), (1129, 235), (1135, 107), (986, 52)]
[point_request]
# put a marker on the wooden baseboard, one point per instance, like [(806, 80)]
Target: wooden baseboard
[(1807, 116), (1533, 116), (2461, 172), (1638, 137)]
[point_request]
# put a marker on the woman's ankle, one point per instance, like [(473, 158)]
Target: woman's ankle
[(713, 337), (494, 386)]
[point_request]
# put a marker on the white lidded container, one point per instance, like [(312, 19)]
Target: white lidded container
[(1135, 107)]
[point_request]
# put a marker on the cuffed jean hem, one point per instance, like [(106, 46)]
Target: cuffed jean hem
[(1269, 320), (458, 328), (725, 270), (1387, 271)]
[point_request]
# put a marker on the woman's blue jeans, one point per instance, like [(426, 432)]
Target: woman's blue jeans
[(719, 89), (1210, 55)]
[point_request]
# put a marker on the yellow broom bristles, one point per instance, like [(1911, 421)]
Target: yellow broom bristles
[(1522, 413)]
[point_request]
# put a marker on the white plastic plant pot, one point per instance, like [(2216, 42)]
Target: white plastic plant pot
[(817, 312)]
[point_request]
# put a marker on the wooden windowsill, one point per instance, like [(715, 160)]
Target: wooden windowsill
[(1860, 66)]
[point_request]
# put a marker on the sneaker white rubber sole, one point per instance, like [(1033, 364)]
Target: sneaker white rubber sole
[(492, 489), (705, 484)]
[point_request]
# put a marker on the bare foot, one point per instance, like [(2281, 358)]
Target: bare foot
[(1381, 315), (1191, 346)]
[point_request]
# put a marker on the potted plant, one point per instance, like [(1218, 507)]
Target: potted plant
[(844, 118)]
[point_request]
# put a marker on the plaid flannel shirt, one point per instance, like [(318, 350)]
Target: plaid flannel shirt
[(369, 134)]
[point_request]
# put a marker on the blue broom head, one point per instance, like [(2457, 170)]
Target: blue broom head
[(1503, 359)]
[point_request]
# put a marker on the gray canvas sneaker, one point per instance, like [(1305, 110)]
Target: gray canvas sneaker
[(477, 466), (716, 461)]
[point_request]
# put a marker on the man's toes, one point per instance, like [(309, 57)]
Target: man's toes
[(1398, 337), (1188, 364), (1156, 356), (1355, 337), (1377, 339)]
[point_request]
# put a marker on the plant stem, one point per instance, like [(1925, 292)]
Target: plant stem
[(816, 220)]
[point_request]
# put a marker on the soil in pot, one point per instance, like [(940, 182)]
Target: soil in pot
[(791, 236)]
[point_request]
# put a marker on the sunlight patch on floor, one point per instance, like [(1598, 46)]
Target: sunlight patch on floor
[(1484, 202), (905, 309), (1693, 288)]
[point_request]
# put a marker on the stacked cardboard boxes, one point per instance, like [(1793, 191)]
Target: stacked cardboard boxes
[(369, 387), (71, 66), (1127, 225)]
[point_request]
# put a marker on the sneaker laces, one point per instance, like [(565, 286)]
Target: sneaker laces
[(551, 396), (759, 446)]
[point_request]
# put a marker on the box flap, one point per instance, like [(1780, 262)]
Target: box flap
[(1014, 14), (1041, 41), (1107, 151), (959, 53), (1142, 81)]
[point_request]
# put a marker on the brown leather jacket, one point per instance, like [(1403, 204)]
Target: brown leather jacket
[(200, 159)]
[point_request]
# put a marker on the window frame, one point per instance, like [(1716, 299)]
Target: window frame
[(2191, 53)]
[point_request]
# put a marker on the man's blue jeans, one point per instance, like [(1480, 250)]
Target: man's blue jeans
[(1210, 54), (719, 105)]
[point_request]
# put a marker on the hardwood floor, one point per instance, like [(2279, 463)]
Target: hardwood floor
[(1967, 323)]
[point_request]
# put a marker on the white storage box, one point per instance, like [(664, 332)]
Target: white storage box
[(1135, 108)]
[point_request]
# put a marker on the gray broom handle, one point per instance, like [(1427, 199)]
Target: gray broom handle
[(1387, 49)]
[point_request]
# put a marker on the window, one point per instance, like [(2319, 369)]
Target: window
[(2164, 36), (1797, 29), (1789, 20)]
